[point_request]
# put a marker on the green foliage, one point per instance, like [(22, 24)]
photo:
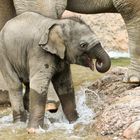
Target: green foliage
[(123, 62)]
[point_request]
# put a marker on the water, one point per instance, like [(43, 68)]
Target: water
[(118, 55), (57, 126)]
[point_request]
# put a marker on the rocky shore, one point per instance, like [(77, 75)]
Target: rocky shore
[(116, 104)]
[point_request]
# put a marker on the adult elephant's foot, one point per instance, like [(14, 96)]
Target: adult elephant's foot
[(132, 76)]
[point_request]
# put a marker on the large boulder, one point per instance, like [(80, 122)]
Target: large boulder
[(116, 104)]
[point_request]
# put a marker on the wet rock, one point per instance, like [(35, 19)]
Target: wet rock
[(52, 106), (132, 130), (82, 129), (119, 115), (117, 105), (108, 89)]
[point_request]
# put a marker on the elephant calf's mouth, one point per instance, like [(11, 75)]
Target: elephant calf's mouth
[(90, 63), (86, 61)]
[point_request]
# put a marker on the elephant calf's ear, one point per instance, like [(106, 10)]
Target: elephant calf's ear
[(53, 42), (44, 38)]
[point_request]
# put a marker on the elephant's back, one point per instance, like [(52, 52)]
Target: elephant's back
[(7, 11), (30, 19), (26, 23)]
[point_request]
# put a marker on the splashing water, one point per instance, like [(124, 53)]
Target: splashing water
[(57, 121), (86, 115), (117, 54)]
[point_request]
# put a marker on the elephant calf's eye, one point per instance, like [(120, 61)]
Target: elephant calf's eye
[(83, 45)]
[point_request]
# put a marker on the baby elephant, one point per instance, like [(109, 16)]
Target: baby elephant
[(35, 50)]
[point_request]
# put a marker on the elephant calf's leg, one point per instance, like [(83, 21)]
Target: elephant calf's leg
[(131, 15), (37, 110), (63, 85), (39, 83), (26, 97), (19, 113), (69, 107), (15, 92)]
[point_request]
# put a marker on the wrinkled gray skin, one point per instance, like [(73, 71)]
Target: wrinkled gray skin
[(129, 9), (49, 8), (35, 50)]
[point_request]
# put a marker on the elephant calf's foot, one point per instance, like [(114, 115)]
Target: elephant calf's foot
[(132, 76), (26, 105), (72, 116), (35, 130), (31, 130)]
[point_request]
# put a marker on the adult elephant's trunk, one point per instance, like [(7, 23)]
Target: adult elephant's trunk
[(103, 61)]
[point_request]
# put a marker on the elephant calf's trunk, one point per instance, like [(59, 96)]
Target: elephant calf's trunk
[(103, 61)]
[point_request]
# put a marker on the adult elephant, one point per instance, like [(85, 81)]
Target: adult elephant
[(49, 8), (130, 11)]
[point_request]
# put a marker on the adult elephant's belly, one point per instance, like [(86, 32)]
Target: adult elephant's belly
[(7, 11), (52, 9), (91, 6)]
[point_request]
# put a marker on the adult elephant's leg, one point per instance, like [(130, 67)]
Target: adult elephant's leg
[(7, 11), (130, 11), (63, 85)]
